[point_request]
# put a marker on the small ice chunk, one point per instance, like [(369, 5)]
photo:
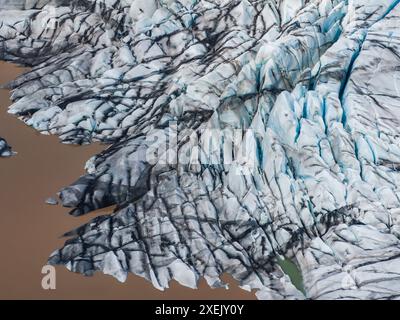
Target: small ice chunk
[(5, 149)]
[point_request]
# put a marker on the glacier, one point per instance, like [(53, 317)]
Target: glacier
[(241, 133)]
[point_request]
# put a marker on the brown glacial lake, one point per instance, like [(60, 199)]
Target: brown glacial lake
[(30, 229)]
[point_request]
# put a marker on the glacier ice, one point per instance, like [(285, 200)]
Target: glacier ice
[(241, 133)]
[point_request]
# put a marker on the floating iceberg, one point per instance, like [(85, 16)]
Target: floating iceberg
[(241, 133)]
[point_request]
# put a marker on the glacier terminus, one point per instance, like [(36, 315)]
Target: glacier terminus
[(239, 133)]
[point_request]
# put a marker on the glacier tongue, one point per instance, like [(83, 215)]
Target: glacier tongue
[(5, 149), (240, 132)]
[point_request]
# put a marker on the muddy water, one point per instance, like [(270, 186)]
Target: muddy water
[(30, 230)]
